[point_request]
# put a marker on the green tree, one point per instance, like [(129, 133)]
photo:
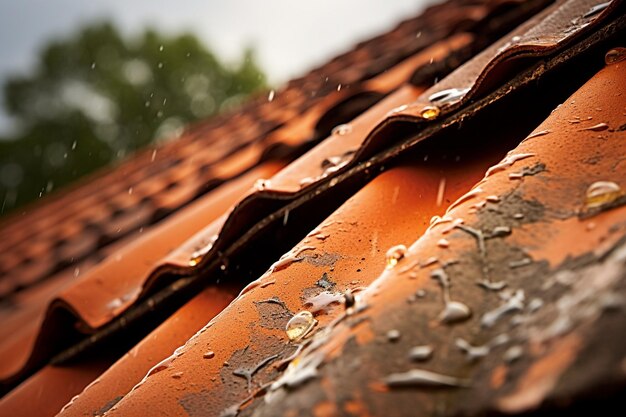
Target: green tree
[(98, 96)]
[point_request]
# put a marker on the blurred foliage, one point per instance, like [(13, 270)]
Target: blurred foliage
[(98, 96)]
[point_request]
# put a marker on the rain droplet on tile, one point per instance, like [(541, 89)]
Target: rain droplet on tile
[(209, 355), (443, 243), (394, 254), (472, 352), (300, 325), (500, 231), (430, 112), (513, 302), (491, 285), (513, 353), (448, 96), (597, 127), (493, 199), (423, 378), (341, 130), (455, 312), (421, 353), (261, 184), (518, 216), (520, 263), (535, 304), (323, 301), (177, 375), (602, 192), (596, 9), (615, 55), (537, 134), (393, 335)]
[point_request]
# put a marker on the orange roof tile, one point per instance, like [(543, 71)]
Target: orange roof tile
[(332, 178)]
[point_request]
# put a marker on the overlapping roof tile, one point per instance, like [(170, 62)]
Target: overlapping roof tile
[(331, 178)]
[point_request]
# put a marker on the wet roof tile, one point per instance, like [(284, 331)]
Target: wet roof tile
[(373, 182)]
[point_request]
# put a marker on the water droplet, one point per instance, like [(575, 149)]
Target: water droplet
[(500, 231), (472, 352), (596, 9), (73, 145), (423, 378), (596, 128), (93, 65), (341, 130), (448, 96), (270, 96), (393, 335), (300, 325), (430, 112), (394, 254), (177, 375), (454, 312), (537, 134), (602, 192), (421, 353), (160, 65), (615, 55), (492, 286), (261, 184), (535, 304), (323, 301), (508, 161), (513, 353), (520, 263), (512, 303), (443, 243), (493, 199), (160, 48), (209, 355)]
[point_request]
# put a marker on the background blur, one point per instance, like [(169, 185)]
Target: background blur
[(85, 83)]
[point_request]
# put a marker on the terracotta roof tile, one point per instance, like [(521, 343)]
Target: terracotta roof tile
[(368, 165)]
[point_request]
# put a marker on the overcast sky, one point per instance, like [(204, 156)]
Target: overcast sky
[(289, 36)]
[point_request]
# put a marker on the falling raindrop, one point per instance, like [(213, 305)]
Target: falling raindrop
[(270, 96), (602, 192), (394, 254), (300, 325)]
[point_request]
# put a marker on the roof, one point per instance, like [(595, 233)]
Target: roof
[(498, 189)]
